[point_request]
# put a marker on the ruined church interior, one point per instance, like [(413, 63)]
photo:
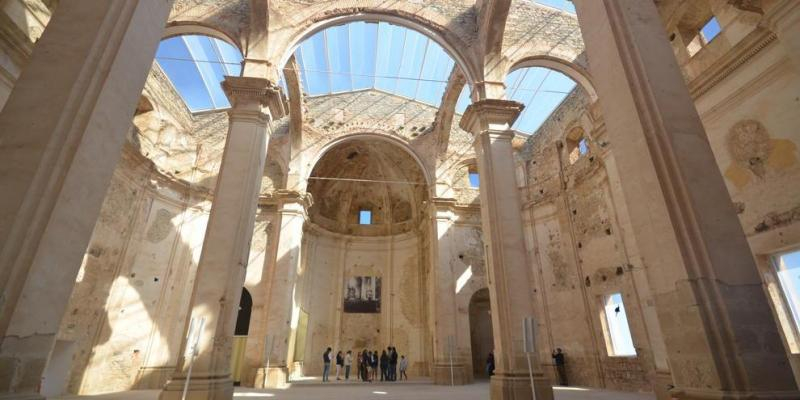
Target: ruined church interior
[(310, 199)]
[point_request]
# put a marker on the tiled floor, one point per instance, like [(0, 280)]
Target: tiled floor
[(374, 391)]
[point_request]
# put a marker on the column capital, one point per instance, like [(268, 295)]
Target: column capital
[(443, 208), (248, 93), (290, 201), (490, 115)]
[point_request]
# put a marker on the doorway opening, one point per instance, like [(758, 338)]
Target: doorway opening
[(480, 330)]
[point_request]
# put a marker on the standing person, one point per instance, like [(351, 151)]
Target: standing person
[(374, 364), (561, 368), (393, 364), (384, 366), (403, 367), (326, 360), (348, 361), (490, 364), (339, 364), (365, 369)]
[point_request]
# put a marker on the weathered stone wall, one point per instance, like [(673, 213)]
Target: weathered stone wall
[(578, 252)]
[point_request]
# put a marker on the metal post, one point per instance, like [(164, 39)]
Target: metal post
[(450, 347), (529, 345), (268, 343), (192, 344)]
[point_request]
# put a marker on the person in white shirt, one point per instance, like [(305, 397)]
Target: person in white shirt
[(403, 365), (348, 361)]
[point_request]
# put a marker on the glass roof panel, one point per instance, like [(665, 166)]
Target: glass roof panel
[(196, 65), (541, 90), (363, 55)]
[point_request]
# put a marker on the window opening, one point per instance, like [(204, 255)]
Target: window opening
[(474, 178), (618, 334), (787, 267), (365, 217)]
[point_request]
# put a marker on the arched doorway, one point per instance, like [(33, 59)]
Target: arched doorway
[(480, 330)]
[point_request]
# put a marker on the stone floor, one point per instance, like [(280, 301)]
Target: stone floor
[(359, 391)]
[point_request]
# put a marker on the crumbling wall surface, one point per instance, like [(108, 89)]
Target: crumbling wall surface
[(127, 311), (578, 254)]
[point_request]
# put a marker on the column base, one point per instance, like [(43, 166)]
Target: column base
[(461, 374), (507, 386), (663, 384), (201, 387), (277, 378), (700, 394)]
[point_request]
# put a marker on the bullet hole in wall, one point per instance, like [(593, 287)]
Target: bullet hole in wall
[(608, 231), (588, 282), (620, 271)]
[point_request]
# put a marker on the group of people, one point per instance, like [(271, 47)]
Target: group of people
[(370, 365)]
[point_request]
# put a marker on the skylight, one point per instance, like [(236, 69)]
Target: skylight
[(196, 65), (541, 90), (711, 29), (563, 5), (367, 55)]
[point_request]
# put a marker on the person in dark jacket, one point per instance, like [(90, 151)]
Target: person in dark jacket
[(362, 365), (490, 364), (384, 366), (561, 367), (393, 365), (326, 361), (374, 361), (339, 364)]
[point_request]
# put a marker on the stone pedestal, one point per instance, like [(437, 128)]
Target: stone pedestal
[(508, 271), (461, 374), (282, 306), (221, 270), (783, 18), (720, 338), (61, 136)]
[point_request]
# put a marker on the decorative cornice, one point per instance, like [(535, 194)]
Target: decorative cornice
[(490, 115), (248, 92), (749, 47)]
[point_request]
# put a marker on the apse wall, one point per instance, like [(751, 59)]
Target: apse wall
[(332, 259)]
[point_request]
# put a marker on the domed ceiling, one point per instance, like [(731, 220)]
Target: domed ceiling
[(367, 174)]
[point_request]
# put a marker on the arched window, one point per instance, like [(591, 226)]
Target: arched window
[(196, 64), (577, 144), (369, 55), (540, 89)]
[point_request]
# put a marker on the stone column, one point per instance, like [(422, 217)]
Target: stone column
[(508, 271), (226, 247), (282, 302), (721, 340), (61, 135), (783, 18), (443, 307)]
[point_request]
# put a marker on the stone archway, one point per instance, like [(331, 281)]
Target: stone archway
[(480, 332)]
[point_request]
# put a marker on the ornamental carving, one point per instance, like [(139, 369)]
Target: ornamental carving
[(750, 146)]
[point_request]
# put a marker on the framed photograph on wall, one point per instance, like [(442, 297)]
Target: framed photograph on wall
[(363, 295)]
